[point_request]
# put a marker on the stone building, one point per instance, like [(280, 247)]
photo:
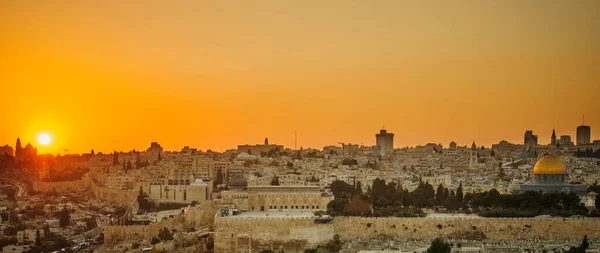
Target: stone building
[(180, 192), (270, 198), (549, 176)]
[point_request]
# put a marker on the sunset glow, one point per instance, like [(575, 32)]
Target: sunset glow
[(44, 139), (215, 75)]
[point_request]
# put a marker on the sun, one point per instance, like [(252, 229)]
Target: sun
[(44, 139)]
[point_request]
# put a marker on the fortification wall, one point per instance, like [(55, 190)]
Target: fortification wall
[(113, 196), (195, 217), (65, 186), (243, 234)]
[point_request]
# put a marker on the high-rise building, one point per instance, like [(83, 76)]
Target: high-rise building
[(530, 139), (385, 142), (553, 138), (583, 134)]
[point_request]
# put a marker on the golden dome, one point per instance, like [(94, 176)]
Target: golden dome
[(549, 164)]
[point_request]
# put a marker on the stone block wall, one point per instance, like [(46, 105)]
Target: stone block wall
[(233, 234)]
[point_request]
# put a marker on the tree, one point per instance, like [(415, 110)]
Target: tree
[(275, 180), (358, 187), (115, 158), (439, 194), (93, 153), (155, 240), (459, 193), (439, 246), (357, 207), (165, 234), (38, 238), (64, 218)]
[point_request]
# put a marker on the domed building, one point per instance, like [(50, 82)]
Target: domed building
[(549, 176), (266, 198)]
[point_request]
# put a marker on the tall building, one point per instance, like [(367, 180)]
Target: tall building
[(18, 148), (385, 142), (583, 134), (553, 138), (530, 139)]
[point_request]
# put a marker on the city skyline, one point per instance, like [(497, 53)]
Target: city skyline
[(213, 75), (44, 143)]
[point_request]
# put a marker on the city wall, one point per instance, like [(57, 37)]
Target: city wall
[(112, 196), (64, 186), (234, 234), (194, 217)]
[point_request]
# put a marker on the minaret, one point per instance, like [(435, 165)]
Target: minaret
[(553, 138)]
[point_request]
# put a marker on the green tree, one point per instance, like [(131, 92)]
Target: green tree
[(357, 207), (115, 158), (275, 180), (38, 238), (439, 194), (459, 193), (64, 217), (439, 246), (165, 234)]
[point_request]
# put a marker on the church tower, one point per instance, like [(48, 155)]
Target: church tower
[(553, 138), (473, 156)]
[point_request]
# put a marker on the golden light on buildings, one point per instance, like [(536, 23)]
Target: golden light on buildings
[(549, 165)]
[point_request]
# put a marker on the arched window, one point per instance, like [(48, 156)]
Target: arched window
[(187, 182), (170, 182)]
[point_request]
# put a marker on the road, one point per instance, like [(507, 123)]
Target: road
[(21, 189)]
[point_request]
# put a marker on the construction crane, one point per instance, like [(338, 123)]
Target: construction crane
[(64, 150)]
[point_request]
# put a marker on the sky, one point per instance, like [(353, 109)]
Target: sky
[(117, 75)]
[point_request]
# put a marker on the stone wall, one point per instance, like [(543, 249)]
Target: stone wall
[(234, 234), (113, 196), (65, 186), (194, 217)]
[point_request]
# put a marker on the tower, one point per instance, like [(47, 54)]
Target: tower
[(553, 138), (385, 142), (530, 140), (473, 156), (266, 141), (19, 148), (583, 134)]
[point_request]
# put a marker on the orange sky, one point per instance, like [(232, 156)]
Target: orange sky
[(213, 74)]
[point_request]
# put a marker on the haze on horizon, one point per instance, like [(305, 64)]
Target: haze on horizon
[(116, 75)]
